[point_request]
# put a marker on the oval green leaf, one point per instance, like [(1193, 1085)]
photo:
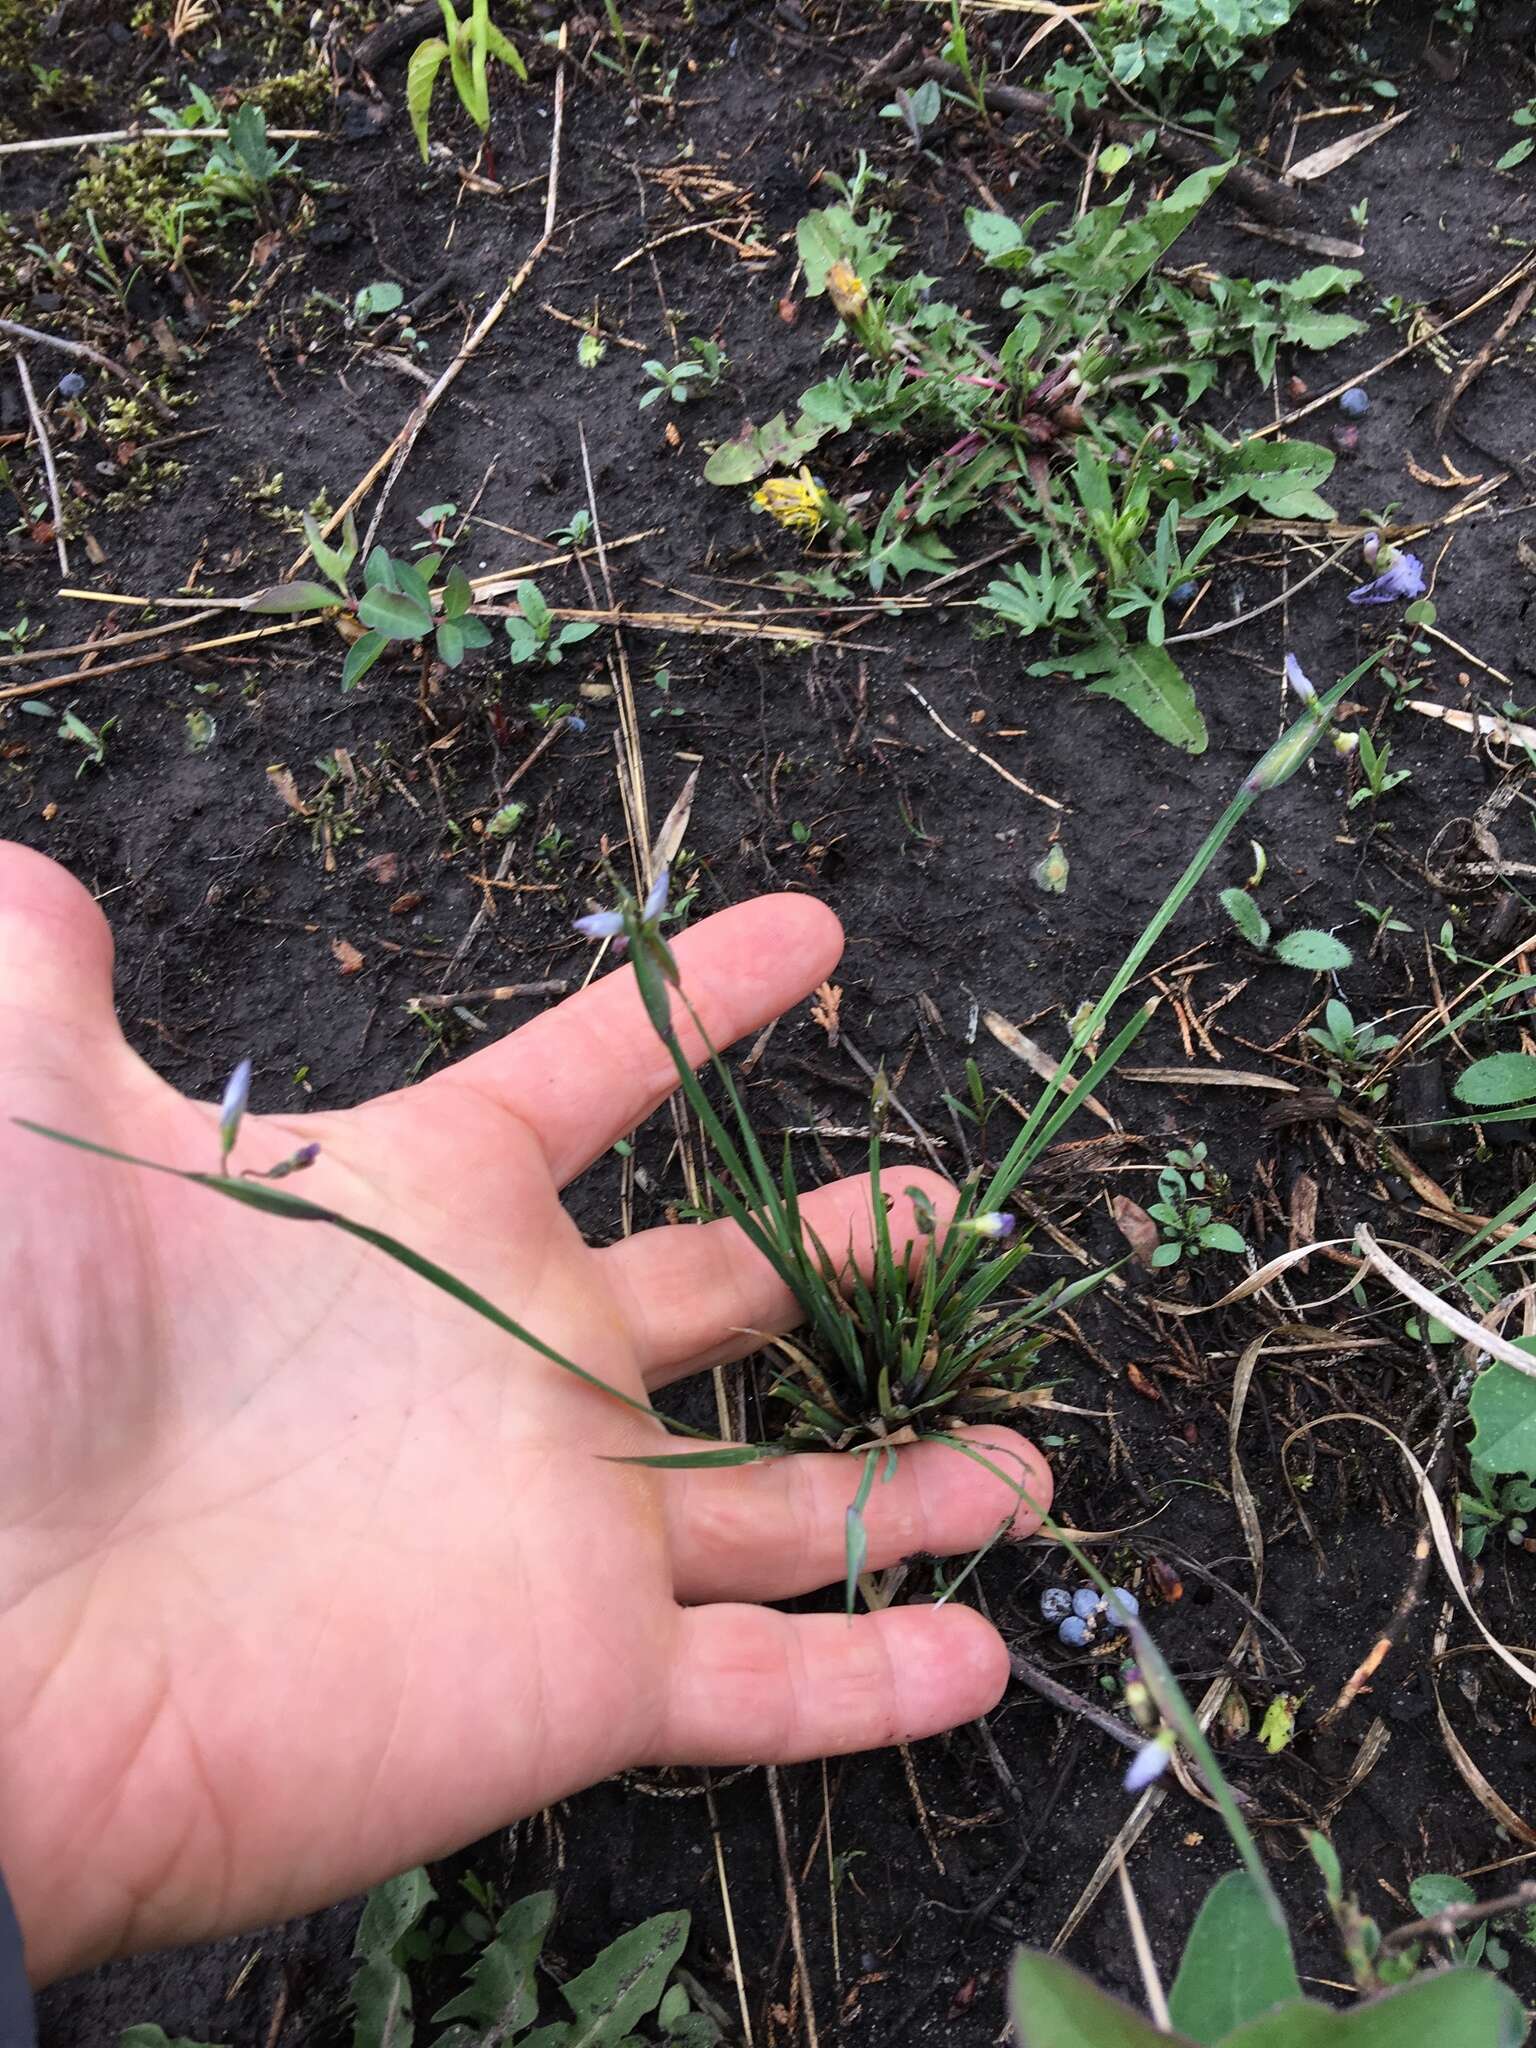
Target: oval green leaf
[(1496, 1082), (1314, 952)]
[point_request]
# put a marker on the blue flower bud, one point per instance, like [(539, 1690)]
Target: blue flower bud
[(1148, 1765), (1086, 1603), (237, 1093), (1354, 403), (71, 384), (1055, 1603), (1182, 593), (1122, 1607), (1074, 1633)]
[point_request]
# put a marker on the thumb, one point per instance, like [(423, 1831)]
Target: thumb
[(55, 953)]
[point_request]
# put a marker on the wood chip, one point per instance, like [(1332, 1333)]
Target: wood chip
[(1480, 722), (347, 957)]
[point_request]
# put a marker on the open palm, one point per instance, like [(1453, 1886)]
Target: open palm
[(306, 1572)]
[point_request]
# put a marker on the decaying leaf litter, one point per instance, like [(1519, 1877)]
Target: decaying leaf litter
[(878, 761)]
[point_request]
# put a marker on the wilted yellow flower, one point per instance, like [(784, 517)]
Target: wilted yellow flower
[(797, 502), (847, 290)]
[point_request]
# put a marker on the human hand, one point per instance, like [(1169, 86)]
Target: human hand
[(307, 1573)]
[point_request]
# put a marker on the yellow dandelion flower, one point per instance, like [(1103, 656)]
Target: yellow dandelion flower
[(797, 502), (847, 290)]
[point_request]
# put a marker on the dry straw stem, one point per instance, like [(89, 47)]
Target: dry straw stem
[(949, 732), (89, 675), (1481, 1788), (86, 354), (104, 136), (1508, 282), (1439, 1527), (1151, 1983), (396, 455), (45, 449)]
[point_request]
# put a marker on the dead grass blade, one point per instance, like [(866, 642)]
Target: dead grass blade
[(1478, 1335), (1208, 1077), (1256, 1282), (1040, 1062), (1310, 168), (1151, 1983), (1439, 1529), (1477, 1783)]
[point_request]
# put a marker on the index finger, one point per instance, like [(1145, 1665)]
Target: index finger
[(591, 1069)]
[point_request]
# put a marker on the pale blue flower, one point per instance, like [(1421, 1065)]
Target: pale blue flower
[(994, 1223), (656, 900), (1299, 682), (1148, 1765), (237, 1093), (609, 924), (1402, 577)]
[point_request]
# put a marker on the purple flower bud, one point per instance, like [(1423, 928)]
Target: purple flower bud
[(1298, 680), (1354, 403), (237, 1093), (1182, 593), (1086, 1603), (1055, 1603), (1402, 576), (1148, 1765), (1122, 1607), (656, 900), (576, 723), (1370, 547), (71, 385), (1073, 1632), (995, 1223), (306, 1155), (600, 924), (1345, 439)]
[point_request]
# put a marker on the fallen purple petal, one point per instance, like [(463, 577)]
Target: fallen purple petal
[(1403, 577), (1148, 1765), (599, 924)]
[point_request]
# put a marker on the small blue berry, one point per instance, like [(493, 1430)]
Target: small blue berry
[(1354, 403), (1086, 1603), (1055, 1603), (1074, 1633), (1122, 1607), (71, 384), (1181, 593)]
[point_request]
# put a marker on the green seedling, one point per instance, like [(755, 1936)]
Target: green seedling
[(1184, 1218), (533, 638), (1379, 779), (242, 166), (72, 727), (1495, 1503), (576, 532), (396, 605), (1312, 951), (1351, 1048), (1383, 919), (1522, 117), (695, 376), (468, 46)]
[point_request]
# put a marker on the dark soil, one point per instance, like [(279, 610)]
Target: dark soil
[(822, 772)]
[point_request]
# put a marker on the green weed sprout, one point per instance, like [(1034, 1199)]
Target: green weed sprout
[(919, 1345), (397, 604), (468, 46), (1057, 421), (533, 638), (1182, 1211)]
